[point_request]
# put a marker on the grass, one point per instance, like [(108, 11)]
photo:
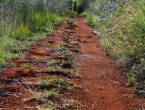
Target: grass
[(68, 71), (51, 93), (93, 21), (62, 82), (61, 47), (1, 86), (11, 47), (77, 73), (123, 37), (76, 86), (21, 31), (131, 79), (66, 52), (46, 81), (66, 64), (50, 63), (23, 25), (25, 65), (36, 61), (58, 47), (37, 96), (71, 103)]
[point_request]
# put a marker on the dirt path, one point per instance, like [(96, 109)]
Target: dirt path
[(72, 51), (104, 87)]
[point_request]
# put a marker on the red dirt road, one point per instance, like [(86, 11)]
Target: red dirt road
[(103, 86)]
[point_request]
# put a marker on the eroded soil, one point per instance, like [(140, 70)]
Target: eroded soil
[(66, 71)]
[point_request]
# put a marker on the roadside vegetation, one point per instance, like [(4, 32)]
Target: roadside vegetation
[(22, 22), (121, 27)]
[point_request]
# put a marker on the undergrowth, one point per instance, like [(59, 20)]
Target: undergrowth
[(21, 24), (123, 36)]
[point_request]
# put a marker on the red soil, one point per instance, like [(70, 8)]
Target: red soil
[(104, 87)]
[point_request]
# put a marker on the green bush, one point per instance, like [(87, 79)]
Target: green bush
[(43, 21), (21, 31), (93, 21), (83, 14), (123, 34), (39, 22), (124, 38), (21, 24), (79, 5)]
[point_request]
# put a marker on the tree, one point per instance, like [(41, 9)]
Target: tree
[(79, 5)]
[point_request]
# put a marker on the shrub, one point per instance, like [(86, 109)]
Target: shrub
[(93, 21), (83, 14), (19, 20), (123, 34), (124, 39), (123, 27), (21, 31), (38, 22), (43, 21)]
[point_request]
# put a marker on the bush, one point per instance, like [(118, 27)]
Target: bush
[(83, 14), (43, 21), (124, 34), (93, 21), (124, 39), (21, 24), (21, 31)]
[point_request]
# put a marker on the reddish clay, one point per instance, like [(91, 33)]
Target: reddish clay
[(20, 61), (39, 52), (17, 72)]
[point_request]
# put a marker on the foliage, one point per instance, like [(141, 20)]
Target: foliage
[(83, 14), (93, 21), (46, 81), (79, 5), (123, 28), (57, 6), (21, 22), (124, 34), (21, 31), (51, 93)]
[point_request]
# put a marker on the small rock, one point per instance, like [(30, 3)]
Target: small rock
[(98, 34), (95, 32)]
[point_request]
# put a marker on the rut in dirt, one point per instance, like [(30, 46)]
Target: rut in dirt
[(66, 71)]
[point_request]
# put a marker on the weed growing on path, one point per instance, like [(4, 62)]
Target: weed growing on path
[(37, 96), (26, 65), (51, 93), (50, 63), (71, 103), (46, 81), (131, 79), (62, 82)]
